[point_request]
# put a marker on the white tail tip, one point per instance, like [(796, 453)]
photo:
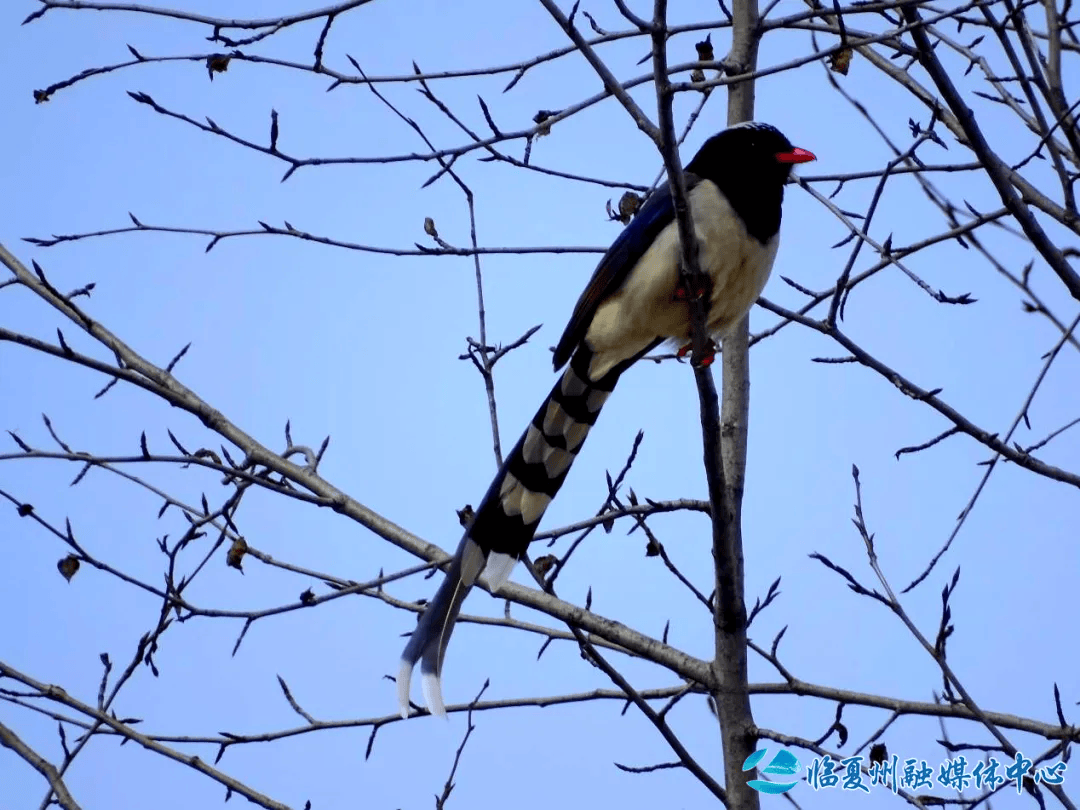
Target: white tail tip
[(433, 694), (498, 569), (404, 682)]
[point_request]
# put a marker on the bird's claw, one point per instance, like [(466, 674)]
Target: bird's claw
[(710, 353), (691, 288)]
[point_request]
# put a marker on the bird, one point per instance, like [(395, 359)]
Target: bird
[(635, 301)]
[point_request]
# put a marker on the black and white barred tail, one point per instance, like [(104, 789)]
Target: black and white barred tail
[(507, 517)]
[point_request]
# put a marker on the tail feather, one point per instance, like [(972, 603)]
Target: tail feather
[(428, 641), (498, 569), (506, 519)]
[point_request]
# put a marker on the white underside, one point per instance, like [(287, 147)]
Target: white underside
[(644, 308)]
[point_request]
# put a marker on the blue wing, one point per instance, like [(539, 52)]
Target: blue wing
[(655, 214)]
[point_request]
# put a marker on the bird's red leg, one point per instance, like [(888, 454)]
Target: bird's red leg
[(693, 287), (710, 352)]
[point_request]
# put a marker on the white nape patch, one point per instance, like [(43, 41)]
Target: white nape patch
[(404, 681), (596, 400), (754, 125), (498, 570), (433, 694), (472, 561), (572, 385)]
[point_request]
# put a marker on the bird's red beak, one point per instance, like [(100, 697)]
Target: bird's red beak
[(796, 155)]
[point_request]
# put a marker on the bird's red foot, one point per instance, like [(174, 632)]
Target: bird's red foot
[(692, 288), (710, 352)]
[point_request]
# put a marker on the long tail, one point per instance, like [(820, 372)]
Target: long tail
[(507, 518)]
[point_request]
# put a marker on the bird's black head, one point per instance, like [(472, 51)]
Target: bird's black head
[(750, 164)]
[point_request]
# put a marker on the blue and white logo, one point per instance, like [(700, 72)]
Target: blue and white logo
[(783, 764)]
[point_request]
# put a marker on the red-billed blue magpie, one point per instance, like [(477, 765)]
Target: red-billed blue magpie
[(634, 301)]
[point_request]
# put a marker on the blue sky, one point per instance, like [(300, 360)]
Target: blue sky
[(364, 348)]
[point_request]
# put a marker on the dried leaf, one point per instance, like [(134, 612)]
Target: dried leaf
[(840, 62), (68, 566), (544, 564), (629, 204), (235, 557), (216, 63), (878, 753), (466, 515), (705, 49)]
